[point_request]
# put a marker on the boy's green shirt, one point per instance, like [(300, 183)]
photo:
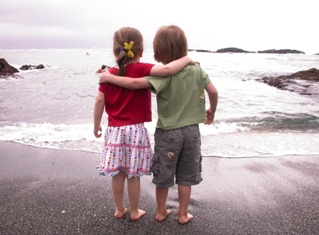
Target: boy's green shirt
[(180, 98)]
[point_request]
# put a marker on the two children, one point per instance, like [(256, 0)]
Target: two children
[(181, 107), (127, 152)]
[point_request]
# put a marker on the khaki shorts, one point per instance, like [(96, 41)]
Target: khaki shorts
[(177, 153)]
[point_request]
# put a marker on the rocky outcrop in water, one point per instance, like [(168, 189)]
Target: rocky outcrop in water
[(6, 69), (31, 67), (304, 82)]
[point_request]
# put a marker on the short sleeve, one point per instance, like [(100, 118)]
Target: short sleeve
[(205, 77), (158, 83)]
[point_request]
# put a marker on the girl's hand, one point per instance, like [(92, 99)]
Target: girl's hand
[(194, 62), (98, 132)]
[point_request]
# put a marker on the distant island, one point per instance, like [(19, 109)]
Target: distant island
[(238, 50), (232, 50), (282, 51), (200, 50)]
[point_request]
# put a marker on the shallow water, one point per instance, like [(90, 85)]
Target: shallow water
[(53, 107)]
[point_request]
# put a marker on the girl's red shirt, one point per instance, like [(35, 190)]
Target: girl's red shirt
[(124, 106)]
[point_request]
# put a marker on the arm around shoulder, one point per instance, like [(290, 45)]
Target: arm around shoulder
[(126, 82), (172, 67)]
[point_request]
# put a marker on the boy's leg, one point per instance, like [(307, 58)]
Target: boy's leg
[(134, 188), (118, 194), (168, 144), (184, 194), (161, 211), (188, 170)]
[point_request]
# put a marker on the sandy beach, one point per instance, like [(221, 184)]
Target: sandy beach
[(47, 191)]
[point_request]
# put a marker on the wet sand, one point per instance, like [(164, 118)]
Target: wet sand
[(47, 191)]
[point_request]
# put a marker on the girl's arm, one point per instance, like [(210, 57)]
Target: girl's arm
[(171, 68), (126, 82), (98, 112)]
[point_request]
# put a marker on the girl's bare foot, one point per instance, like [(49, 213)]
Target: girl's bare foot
[(138, 215), (185, 219), (160, 217), (119, 214)]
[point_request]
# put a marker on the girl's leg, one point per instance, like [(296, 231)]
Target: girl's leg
[(134, 188), (161, 196), (184, 194), (118, 194)]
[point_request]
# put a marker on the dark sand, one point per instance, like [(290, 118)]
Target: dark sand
[(45, 191)]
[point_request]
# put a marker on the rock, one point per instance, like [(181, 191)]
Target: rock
[(304, 82), (310, 74), (282, 51), (6, 69), (25, 67), (40, 66), (31, 67)]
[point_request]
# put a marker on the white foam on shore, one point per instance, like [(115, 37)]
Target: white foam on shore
[(214, 142)]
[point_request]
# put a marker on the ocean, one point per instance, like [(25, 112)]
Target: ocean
[(53, 107)]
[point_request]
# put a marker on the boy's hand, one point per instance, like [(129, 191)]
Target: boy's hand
[(100, 70), (98, 132), (104, 76), (209, 116)]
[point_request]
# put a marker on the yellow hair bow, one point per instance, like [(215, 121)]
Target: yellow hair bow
[(128, 47)]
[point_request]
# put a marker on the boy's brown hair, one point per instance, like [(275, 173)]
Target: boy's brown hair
[(170, 43), (126, 35)]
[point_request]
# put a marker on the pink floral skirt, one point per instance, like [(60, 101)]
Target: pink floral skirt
[(127, 148)]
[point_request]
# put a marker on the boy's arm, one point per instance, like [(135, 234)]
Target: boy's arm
[(126, 82), (213, 100), (98, 112), (171, 68)]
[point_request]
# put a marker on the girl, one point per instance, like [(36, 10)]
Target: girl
[(127, 152)]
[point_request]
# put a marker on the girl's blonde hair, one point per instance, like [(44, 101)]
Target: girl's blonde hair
[(170, 43), (122, 36)]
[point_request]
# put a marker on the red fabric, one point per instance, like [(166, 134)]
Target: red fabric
[(127, 107)]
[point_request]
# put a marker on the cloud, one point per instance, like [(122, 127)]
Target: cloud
[(247, 24)]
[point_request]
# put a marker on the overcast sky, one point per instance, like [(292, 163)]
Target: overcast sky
[(247, 24)]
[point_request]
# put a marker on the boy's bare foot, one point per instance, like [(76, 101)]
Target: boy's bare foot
[(119, 214), (185, 219), (138, 215), (160, 217)]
